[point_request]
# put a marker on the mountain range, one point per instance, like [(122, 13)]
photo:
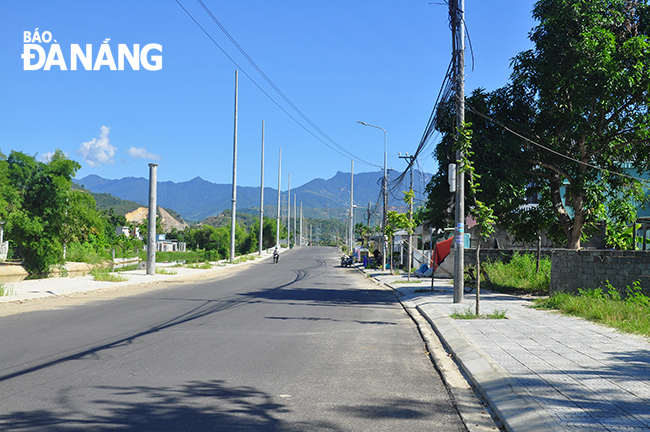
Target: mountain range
[(198, 199)]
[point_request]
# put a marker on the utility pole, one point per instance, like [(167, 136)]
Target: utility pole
[(295, 220), (410, 241), (300, 238), (289, 212), (457, 11), (233, 215), (369, 214), (277, 222), (262, 196), (385, 190), (351, 205), (151, 229)]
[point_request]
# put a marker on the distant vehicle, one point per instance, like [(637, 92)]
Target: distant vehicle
[(346, 261)]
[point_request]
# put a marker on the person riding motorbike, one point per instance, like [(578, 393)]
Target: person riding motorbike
[(276, 255)]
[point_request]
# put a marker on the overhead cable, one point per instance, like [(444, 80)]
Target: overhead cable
[(333, 146)]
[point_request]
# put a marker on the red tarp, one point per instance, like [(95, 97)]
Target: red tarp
[(441, 251)]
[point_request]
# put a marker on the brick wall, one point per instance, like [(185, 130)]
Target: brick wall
[(572, 270)]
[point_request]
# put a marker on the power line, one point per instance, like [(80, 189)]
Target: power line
[(485, 116), (337, 147)]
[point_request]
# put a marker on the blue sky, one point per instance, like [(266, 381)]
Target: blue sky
[(339, 62)]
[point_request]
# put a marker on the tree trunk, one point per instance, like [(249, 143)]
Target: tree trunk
[(539, 252), (572, 228)]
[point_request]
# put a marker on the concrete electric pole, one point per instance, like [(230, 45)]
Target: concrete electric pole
[(233, 215), (457, 12)]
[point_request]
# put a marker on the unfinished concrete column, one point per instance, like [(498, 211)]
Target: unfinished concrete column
[(151, 230)]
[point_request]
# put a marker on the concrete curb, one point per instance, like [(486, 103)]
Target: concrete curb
[(471, 409), (515, 409)]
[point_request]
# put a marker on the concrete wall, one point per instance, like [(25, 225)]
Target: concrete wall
[(572, 270)]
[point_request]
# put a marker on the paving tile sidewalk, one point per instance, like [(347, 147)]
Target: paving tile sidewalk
[(540, 370)]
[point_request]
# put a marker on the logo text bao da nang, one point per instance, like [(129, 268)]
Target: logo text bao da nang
[(35, 57)]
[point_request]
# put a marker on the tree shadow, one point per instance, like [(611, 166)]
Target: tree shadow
[(399, 408), (195, 406), (610, 396), (286, 318), (325, 296)]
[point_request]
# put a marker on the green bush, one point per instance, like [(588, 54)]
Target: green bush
[(85, 252), (519, 275)]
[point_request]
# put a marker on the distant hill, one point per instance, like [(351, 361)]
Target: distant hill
[(223, 219), (197, 199), (106, 201)]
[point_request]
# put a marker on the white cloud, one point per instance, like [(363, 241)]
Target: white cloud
[(98, 151), (46, 157), (142, 153)]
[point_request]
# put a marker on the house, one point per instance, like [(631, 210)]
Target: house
[(128, 232), (164, 245)]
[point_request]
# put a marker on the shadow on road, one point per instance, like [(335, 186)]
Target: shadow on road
[(195, 406)]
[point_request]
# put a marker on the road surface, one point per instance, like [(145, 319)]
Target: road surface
[(302, 345)]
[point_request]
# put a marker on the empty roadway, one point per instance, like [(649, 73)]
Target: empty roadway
[(304, 345)]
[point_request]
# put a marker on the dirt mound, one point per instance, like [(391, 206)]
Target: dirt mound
[(168, 221)]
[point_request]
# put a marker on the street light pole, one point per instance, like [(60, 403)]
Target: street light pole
[(385, 186), (351, 206), (410, 241)]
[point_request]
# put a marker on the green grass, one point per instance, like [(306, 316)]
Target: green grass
[(6, 291), (105, 275), (127, 268), (203, 266), (188, 257), (519, 275), (244, 258), (413, 281), (469, 313), (165, 271), (605, 306)]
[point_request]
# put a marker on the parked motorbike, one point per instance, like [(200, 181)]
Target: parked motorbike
[(346, 261)]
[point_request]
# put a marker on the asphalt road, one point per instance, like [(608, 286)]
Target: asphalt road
[(303, 345)]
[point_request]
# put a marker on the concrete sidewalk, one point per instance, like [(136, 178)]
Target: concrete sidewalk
[(539, 370), (33, 289)]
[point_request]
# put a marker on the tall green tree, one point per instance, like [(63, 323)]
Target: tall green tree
[(588, 78), (581, 96), (39, 208), (498, 160)]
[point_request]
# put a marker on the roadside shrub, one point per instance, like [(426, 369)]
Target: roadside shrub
[(85, 252), (605, 306), (519, 275)]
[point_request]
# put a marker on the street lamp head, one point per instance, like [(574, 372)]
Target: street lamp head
[(363, 123)]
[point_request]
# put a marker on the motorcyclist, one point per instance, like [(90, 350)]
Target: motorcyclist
[(276, 255)]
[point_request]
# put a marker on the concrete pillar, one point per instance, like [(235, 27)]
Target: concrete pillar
[(151, 232)]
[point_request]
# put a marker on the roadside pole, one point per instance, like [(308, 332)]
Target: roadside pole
[(277, 222), (233, 215), (262, 196), (457, 12), (151, 229)]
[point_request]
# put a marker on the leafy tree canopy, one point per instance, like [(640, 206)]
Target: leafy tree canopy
[(581, 96)]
